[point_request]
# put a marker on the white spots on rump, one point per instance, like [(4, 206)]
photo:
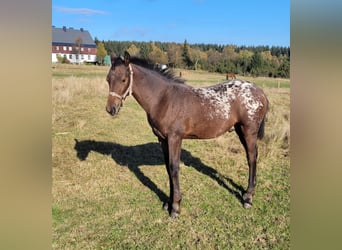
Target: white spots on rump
[(219, 97), (222, 95)]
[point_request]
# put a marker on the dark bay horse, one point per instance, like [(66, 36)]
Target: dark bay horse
[(176, 111)]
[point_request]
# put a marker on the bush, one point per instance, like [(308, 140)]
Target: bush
[(60, 58)]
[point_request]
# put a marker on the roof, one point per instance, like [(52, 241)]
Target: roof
[(69, 35)]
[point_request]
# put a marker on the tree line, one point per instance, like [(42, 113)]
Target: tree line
[(243, 60)]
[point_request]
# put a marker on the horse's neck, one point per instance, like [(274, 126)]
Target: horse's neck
[(148, 87)]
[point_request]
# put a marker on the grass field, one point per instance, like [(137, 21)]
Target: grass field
[(109, 179)]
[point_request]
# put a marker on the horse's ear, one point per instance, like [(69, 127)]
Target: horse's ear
[(127, 58), (112, 58)]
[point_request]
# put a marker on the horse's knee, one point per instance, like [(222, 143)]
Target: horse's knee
[(174, 172)]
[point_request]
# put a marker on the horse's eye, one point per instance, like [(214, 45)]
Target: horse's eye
[(123, 80)]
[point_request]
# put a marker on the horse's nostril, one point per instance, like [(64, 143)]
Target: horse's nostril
[(111, 110)]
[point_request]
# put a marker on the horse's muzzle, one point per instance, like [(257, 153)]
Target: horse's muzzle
[(113, 110)]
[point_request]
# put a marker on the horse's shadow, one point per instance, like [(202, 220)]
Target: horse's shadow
[(151, 154)]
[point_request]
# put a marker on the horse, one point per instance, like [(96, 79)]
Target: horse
[(230, 75), (177, 111)]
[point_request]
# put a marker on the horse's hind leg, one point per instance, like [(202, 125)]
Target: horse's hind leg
[(248, 138)]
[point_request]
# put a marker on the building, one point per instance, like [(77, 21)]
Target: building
[(75, 45)]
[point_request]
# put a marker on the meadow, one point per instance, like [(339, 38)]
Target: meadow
[(109, 179)]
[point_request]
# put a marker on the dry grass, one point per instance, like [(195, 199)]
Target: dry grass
[(108, 186)]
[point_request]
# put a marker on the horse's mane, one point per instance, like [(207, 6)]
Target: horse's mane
[(148, 64)]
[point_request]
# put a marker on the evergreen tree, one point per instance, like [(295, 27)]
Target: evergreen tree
[(186, 55), (96, 40), (284, 69), (145, 50)]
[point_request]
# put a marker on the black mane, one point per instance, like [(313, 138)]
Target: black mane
[(148, 64)]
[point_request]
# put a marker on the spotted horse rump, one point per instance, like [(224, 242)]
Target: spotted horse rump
[(221, 97)]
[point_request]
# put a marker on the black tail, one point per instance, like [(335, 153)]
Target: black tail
[(261, 131)]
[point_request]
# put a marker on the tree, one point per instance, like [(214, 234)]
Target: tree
[(256, 66), (157, 55), (284, 69), (100, 53), (186, 55), (78, 44), (229, 52), (213, 60), (96, 40), (145, 50), (266, 55), (197, 57), (244, 60), (174, 52), (133, 50)]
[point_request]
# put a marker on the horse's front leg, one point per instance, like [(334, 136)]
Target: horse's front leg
[(165, 147), (174, 145)]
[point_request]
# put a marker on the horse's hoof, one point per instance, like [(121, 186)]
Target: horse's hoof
[(174, 215), (247, 200), (247, 205), (166, 206)]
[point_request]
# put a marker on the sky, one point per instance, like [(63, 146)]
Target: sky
[(223, 22)]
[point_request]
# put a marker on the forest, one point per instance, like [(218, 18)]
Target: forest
[(243, 60)]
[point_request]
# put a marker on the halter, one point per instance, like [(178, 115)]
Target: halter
[(129, 90)]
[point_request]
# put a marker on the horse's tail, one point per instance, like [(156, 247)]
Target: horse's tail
[(261, 131)]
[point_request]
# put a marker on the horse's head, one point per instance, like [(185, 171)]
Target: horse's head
[(120, 80)]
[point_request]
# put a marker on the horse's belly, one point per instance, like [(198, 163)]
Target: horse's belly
[(207, 129)]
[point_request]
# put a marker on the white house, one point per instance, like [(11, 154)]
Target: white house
[(75, 45)]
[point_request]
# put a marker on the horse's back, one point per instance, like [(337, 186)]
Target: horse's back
[(208, 112)]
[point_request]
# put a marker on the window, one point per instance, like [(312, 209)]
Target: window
[(70, 56), (89, 49), (76, 57), (57, 47), (89, 57), (82, 49), (64, 48), (82, 57), (70, 48)]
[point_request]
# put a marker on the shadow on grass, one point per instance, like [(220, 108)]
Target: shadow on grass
[(151, 154)]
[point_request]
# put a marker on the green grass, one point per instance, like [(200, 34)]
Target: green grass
[(109, 184), (67, 70)]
